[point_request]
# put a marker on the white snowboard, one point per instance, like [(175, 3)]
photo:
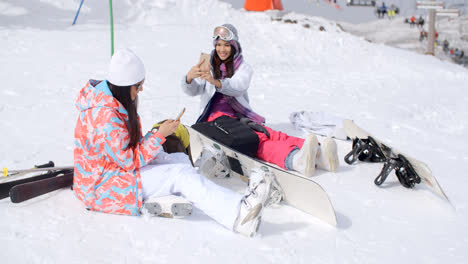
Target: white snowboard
[(354, 131), (299, 192)]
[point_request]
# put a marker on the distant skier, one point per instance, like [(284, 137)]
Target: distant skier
[(445, 46), (224, 92), (422, 35), (412, 21), (391, 11), (383, 10), (117, 168), (420, 22), (378, 12), (458, 53)]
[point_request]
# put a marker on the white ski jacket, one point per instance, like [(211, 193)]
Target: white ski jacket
[(235, 86)]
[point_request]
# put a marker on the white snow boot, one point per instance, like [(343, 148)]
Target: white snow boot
[(304, 159), (276, 192), (327, 158), (170, 206), (251, 207), (213, 162)]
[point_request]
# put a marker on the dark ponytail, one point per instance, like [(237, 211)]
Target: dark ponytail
[(122, 94)]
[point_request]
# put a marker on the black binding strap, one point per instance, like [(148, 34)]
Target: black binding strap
[(404, 171), (367, 150)]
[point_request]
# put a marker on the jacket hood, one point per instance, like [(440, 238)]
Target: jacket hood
[(97, 94)]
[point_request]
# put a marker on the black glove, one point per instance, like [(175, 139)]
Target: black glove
[(254, 126)]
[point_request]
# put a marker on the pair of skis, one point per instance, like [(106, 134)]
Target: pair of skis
[(21, 190)]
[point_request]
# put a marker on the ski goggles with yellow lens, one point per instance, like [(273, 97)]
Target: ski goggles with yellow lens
[(223, 33)]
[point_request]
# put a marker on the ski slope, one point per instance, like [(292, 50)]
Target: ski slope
[(397, 33), (416, 103), (354, 14)]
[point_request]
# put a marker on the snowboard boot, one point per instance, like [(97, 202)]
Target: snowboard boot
[(170, 206), (327, 156), (276, 192), (213, 162), (304, 159), (251, 207)]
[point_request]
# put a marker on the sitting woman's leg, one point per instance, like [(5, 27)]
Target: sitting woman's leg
[(288, 152), (236, 212), (276, 148), (293, 153), (218, 202)]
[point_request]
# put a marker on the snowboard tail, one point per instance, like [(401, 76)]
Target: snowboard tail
[(298, 191)]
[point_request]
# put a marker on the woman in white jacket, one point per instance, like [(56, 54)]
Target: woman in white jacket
[(224, 91)]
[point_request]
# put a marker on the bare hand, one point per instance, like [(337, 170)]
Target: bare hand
[(195, 72), (168, 127), (209, 78)]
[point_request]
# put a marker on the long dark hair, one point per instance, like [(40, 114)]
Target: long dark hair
[(122, 94), (229, 63)]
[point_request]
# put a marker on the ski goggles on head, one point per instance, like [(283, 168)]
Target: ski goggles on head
[(223, 33)]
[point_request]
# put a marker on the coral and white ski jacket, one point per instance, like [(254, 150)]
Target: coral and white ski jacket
[(236, 86), (107, 176)]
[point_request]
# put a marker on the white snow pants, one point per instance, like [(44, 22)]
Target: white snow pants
[(173, 174)]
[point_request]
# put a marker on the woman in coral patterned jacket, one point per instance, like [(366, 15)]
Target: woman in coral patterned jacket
[(109, 146), (117, 169)]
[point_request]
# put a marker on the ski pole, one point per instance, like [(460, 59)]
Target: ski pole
[(111, 27), (45, 165), (77, 12), (7, 173)]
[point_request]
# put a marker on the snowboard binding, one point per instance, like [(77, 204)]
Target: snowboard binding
[(367, 150), (213, 162), (403, 170), (276, 192)]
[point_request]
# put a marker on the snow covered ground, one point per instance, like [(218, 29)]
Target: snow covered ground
[(416, 103)]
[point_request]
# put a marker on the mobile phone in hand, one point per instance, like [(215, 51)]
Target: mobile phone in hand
[(205, 66), (180, 115)]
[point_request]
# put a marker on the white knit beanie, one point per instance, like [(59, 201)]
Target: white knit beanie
[(125, 68)]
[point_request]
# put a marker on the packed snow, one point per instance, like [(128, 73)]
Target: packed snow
[(414, 102)]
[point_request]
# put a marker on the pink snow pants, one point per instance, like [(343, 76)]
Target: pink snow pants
[(273, 149)]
